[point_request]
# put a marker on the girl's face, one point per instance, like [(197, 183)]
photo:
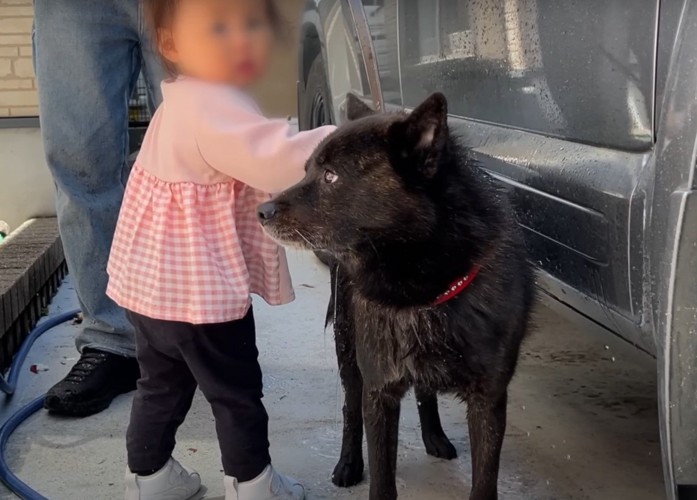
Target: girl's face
[(224, 41)]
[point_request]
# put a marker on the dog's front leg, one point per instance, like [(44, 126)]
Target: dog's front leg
[(436, 442), (349, 469), (381, 412), (486, 417)]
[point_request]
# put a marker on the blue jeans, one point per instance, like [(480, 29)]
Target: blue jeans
[(88, 55)]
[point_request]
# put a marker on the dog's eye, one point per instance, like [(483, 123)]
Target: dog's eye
[(330, 177)]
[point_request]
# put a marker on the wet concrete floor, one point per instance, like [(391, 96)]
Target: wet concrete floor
[(582, 417)]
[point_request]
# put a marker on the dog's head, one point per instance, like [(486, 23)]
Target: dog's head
[(371, 179)]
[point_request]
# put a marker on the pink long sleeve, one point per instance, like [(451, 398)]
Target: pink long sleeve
[(233, 138), (188, 246)]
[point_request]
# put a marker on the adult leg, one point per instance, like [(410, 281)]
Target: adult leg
[(154, 71), (86, 58)]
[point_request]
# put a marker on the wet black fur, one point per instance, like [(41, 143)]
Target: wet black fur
[(404, 212)]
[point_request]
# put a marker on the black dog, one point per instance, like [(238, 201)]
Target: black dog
[(434, 289)]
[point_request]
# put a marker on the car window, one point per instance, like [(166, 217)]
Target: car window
[(577, 69)]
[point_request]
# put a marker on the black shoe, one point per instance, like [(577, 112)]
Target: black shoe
[(95, 380)]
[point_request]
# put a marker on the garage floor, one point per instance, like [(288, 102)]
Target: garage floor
[(582, 417)]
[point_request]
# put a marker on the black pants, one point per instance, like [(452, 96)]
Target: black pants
[(220, 358)]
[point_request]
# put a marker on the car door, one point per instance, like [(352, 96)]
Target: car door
[(556, 99)]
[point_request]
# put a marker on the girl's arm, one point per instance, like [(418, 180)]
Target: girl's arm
[(265, 154)]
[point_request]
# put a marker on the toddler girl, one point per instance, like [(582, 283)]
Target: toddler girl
[(188, 251)]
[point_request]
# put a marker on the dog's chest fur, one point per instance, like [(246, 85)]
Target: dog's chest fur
[(408, 345)]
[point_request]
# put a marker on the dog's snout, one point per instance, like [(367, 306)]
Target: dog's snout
[(267, 211)]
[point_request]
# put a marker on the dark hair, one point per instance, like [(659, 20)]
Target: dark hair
[(159, 15)]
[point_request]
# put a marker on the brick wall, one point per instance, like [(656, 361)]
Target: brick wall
[(17, 84)]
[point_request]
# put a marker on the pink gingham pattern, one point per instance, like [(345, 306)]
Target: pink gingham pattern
[(187, 245), (192, 252)]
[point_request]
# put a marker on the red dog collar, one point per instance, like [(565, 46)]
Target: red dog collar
[(457, 287)]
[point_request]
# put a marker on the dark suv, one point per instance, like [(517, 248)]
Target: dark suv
[(587, 110)]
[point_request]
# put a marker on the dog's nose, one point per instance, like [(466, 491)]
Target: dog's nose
[(266, 211)]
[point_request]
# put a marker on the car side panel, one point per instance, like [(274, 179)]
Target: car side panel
[(556, 99)]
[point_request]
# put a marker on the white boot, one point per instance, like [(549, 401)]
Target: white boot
[(269, 485), (172, 482)]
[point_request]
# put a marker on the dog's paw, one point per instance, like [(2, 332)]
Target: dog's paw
[(348, 472), (438, 445)]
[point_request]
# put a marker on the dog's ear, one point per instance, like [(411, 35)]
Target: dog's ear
[(356, 108), (422, 136)]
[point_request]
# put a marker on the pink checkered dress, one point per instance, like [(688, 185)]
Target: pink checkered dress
[(187, 245)]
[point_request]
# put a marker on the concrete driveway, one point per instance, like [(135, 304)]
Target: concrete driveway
[(582, 419)]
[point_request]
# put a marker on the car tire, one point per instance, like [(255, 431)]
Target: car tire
[(315, 109), (315, 112)]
